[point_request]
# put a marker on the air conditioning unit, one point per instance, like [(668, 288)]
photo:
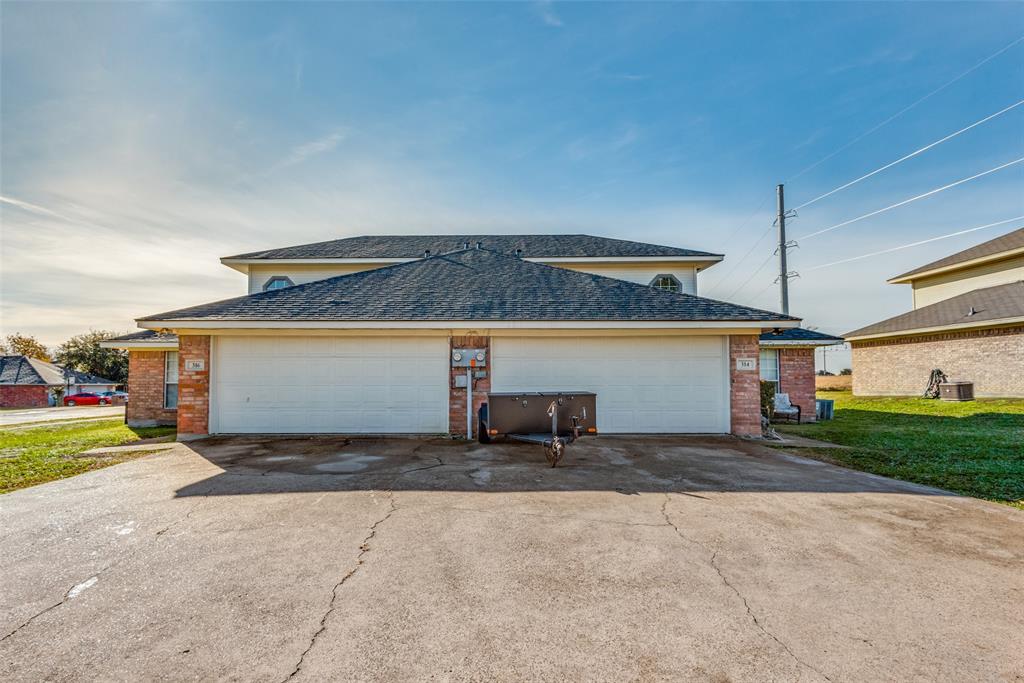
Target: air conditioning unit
[(956, 391)]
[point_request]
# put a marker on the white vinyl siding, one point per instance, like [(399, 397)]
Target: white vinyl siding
[(938, 288), (170, 379), (658, 385), (341, 385)]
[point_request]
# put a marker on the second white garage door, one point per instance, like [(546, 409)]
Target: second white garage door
[(653, 385), (342, 385)]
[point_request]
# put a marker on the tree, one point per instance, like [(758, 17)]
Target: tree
[(846, 371), (84, 354), (24, 345)]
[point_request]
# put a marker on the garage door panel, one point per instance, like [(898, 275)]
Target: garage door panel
[(644, 384), (330, 384)]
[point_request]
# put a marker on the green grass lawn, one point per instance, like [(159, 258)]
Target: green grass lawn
[(975, 448), (33, 455)]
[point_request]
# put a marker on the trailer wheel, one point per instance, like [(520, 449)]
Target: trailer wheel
[(481, 426)]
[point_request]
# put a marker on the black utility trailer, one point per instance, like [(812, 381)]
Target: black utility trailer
[(552, 419)]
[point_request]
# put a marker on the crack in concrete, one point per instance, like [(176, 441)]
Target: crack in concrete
[(440, 463), (721, 575), (364, 548)]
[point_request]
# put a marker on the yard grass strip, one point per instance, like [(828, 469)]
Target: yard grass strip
[(974, 448), (40, 454)]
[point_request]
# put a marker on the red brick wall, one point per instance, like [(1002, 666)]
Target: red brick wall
[(745, 386), (23, 396), (193, 386), (146, 390), (457, 397), (796, 378), (993, 359)]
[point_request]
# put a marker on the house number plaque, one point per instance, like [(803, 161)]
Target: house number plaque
[(195, 365), (746, 364)]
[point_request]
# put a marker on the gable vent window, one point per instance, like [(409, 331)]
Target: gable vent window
[(666, 283), (277, 282)]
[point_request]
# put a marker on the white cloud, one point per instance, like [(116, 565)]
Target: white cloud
[(547, 13)]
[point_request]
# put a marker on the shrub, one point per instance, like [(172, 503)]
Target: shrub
[(767, 399)]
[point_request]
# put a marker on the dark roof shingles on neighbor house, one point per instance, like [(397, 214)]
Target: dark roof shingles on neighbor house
[(799, 334), (473, 284), (25, 370), (1008, 242), (414, 246), (988, 304)]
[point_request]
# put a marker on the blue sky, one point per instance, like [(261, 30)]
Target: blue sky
[(143, 141)]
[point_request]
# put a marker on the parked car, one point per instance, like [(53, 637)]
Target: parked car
[(86, 399), (113, 395)]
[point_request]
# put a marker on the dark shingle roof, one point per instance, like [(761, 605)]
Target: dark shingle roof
[(473, 284), (413, 246), (1008, 242), (145, 336), (991, 303), (799, 334), (18, 370), (25, 370)]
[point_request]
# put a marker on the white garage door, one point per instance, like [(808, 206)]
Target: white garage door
[(667, 385), (343, 385)]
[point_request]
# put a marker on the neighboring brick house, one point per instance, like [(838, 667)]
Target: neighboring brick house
[(968, 321), (358, 336), (27, 382)]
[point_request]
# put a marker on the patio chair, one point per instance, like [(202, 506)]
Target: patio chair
[(785, 409)]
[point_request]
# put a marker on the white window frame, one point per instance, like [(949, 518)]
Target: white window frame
[(670, 276), (170, 363), (768, 359), (277, 278)]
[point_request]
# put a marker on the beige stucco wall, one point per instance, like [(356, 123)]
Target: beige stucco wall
[(931, 290), (993, 359)]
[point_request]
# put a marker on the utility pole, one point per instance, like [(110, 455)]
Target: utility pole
[(783, 269)]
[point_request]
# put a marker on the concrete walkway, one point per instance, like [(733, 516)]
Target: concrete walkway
[(641, 559)]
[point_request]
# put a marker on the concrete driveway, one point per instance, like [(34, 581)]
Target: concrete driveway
[(662, 558), (57, 414)]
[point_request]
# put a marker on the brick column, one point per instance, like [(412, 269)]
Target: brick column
[(796, 377), (457, 397), (193, 386), (745, 386), (146, 390)]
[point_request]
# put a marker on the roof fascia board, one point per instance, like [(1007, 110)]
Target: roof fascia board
[(999, 256), (997, 322), (192, 323)]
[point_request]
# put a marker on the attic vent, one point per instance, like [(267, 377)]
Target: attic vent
[(972, 311), (426, 253), (519, 253), (479, 245), (465, 245)]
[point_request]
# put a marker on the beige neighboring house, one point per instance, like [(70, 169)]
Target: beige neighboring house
[(968, 321)]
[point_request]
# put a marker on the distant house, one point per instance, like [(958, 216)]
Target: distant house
[(968, 321), (26, 382)]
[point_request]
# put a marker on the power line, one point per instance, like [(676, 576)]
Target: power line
[(747, 281), (929, 193), (911, 155), (907, 108), (735, 232), (915, 244), (735, 265)]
